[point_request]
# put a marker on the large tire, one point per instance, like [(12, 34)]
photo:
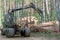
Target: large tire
[(3, 30), (25, 32), (10, 32)]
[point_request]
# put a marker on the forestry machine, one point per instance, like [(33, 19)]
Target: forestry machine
[(12, 28)]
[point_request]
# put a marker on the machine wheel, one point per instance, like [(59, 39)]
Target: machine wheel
[(10, 32), (3, 30), (25, 32)]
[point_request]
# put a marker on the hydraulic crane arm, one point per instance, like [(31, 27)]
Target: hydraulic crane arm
[(31, 5)]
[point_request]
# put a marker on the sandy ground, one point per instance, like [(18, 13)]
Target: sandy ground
[(32, 37)]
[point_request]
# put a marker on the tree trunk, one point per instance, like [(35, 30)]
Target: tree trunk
[(5, 10), (58, 12), (51, 6), (47, 10), (43, 1)]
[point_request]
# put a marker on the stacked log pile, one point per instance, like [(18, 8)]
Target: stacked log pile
[(52, 25), (29, 20)]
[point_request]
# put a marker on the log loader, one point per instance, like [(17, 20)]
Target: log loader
[(12, 28)]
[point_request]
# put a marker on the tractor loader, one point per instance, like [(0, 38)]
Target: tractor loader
[(12, 28)]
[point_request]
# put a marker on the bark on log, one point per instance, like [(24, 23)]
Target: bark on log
[(51, 23), (52, 26)]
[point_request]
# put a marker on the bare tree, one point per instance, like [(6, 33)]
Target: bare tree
[(0, 13), (5, 10), (51, 7), (43, 1), (47, 10)]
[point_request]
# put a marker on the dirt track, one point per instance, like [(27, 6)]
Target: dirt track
[(32, 37)]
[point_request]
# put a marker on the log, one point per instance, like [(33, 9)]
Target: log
[(31, 20), (51, 23), (52, 26)]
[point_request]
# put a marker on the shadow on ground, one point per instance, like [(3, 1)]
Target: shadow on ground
[(34, 36)]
